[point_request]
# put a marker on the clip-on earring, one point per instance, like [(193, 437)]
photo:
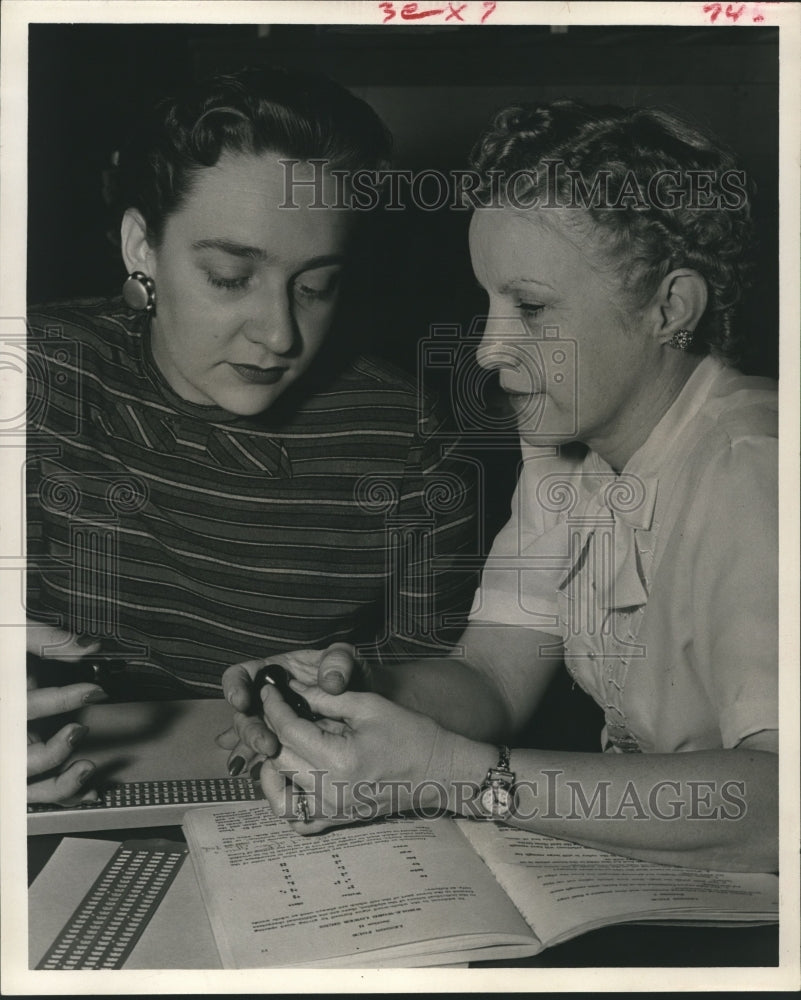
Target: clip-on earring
[(139, 292), (681, 340)]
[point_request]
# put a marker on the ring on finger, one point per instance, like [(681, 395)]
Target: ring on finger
[(302, 807)]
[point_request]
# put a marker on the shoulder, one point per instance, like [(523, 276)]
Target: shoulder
[(741, 407), (375, 394), (95, 324), (732, 443), (371, 375), (730, 480)]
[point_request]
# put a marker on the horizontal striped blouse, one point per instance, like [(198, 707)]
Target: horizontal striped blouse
[(187, 538)]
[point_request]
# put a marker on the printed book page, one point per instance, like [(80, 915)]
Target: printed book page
[(564, 889), (394, 889)]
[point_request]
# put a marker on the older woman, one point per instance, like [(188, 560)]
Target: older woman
[(612, 244), (201, 451)]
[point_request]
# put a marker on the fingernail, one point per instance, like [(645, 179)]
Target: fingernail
[(335, 680), (77, 735), (255, 771), (86, 773), (92, 697), (86, 640), (236, 766)]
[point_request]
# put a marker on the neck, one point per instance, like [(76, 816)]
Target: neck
[(645, 411)]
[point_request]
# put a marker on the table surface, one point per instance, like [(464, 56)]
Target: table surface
[(629, 946)]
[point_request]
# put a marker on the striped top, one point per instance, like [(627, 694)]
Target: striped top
[(188, 538)]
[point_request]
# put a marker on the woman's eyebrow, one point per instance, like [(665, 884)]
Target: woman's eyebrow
[(258, 253), (510, 285), (231, 247)]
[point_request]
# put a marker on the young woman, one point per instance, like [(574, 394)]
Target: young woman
[(210, 475)]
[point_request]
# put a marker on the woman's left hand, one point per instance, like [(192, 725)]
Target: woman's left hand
[(367, 758)]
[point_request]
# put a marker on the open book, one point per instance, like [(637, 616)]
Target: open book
[(406, 891)]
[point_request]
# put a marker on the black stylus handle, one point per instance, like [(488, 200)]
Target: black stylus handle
[(273, 674)]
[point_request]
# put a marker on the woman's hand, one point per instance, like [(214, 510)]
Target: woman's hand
[(249, 738), (45, 756), (65, 787), (367, 758)]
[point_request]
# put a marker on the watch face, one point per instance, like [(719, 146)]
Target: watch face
[(487, 801), (495, 801), (503, 800)]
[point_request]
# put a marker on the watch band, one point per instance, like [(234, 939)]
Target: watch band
[(504, 759), (496, 795)]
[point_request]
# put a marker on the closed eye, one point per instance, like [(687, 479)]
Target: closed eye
[(313, 293), (530, 308), (231, 284)]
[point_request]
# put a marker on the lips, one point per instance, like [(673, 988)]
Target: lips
[(259, 376), (518, 394)]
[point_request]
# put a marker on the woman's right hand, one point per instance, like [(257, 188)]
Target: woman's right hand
[(249, 738), (45, 757)]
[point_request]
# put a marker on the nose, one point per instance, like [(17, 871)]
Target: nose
[(500, 343), (272, 324)]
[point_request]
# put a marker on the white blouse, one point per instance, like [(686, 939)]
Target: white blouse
[(660, 583)]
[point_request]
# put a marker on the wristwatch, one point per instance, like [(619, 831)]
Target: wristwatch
[(496, 795)]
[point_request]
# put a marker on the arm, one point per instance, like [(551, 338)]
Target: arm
[(714, 809), (704, 809), (489, 691)]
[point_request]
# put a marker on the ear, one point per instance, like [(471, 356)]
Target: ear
[(679, 303), (136, 251)]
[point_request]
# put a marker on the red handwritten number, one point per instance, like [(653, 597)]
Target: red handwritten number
[(455, 12), (410, 12), (734, 14)]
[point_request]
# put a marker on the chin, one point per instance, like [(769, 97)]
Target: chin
[(247, 404), (541, 436)]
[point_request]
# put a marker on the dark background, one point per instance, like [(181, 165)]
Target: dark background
[(436, 88)]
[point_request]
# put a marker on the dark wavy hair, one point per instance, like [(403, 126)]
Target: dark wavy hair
[(298, 115), (645, 238)]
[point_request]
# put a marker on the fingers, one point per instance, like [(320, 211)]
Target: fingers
[(55, 700), (249, 741), (66, 788), (336, 668), (51, 643), (348, 707), (45, 756), (228, 739), (237, 684), (332, 669), (254, 733), (290, 730), (285, 801)]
